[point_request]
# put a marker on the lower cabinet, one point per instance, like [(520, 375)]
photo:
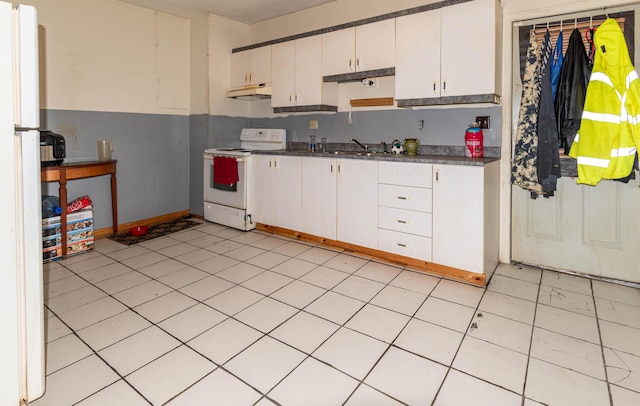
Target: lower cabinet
[(277, 190), (339, 200), (466, 203), (357, 202)]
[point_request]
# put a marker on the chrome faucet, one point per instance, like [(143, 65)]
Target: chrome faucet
[(358, 142)]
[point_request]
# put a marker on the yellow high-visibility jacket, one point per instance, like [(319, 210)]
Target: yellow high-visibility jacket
[(609, 134)]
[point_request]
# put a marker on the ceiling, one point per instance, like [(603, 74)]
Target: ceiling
[(245, 11)]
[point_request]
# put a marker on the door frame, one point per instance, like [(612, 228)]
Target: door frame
[(515, 11)]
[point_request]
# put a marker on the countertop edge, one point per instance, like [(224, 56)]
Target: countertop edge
[(427, 159)]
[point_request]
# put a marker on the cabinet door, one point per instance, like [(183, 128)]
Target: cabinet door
[(358, 202), (418, 55), (261, 65), (458, 217), (338, 52), (308, 71), (319, 197), (375, 45), (262, 195), (283, 65), (469, 48), (240, 68), (286, 187)]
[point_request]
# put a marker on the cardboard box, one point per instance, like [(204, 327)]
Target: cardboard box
[(79, 234)]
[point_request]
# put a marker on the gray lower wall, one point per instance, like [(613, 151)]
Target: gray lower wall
[(160, 156), (153, 161)]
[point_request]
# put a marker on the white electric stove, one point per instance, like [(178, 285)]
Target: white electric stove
[(231, 205)]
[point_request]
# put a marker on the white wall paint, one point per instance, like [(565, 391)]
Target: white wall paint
[(224, 35), (199, 62), (104, 55), (327, 15)]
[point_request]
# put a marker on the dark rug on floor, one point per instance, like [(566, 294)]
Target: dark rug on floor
[(156, 230)]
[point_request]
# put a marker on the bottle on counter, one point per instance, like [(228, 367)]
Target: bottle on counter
[(323, 144), (312, 143)]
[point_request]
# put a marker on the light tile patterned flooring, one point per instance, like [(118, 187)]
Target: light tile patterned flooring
[(215, 316)]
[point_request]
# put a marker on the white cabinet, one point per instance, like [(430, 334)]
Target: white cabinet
[(319, 197), (339, 200), (361, 48), (277, 190), (451, 51), (297, 76), (405, 209), (466, 216), (251, 67), (357, 202)]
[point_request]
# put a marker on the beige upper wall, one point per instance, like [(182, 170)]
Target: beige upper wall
[(103, 55), (330, 14)]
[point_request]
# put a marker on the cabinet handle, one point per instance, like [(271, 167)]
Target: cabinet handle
[(401, 221), (270, 164), (250, 77), (357, 63), (275, 163), (339, 168), (444, 85), (434, 86), (331, 168), (402, 198), (437, 175), (401, 245), (350, 64)]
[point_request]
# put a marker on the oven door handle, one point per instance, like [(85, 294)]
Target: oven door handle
[(242, 159)]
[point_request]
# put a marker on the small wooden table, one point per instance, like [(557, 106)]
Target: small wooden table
[(80, 170)]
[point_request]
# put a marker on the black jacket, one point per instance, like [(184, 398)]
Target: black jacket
[(572, 88)]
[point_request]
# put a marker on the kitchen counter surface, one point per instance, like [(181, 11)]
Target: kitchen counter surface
[(418, 158)]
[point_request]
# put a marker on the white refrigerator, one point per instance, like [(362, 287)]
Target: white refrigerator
[(21, 279)]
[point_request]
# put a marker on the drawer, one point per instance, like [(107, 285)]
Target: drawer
[(406, 174), (408, 245), (405, 221), (405, 197)]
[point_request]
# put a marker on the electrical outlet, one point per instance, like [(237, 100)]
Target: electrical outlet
[(313, 124), (483, 121)]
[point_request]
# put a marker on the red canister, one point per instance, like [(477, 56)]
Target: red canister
[(474, 141)]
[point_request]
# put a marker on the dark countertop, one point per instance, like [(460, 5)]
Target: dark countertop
[(418, 158)]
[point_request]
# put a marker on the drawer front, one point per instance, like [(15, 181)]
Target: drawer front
[(405, 197), (406, 174), (405, 221), (412, 246)]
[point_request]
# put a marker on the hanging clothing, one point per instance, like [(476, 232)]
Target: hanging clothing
[(572, 87), (548, 162), (524, 169), (592, 50), (557, 59), (609, 135)]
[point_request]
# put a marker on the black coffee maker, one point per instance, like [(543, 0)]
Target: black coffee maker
[(52, 148)]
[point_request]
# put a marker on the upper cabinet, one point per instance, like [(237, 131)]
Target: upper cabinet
[(358, 49), (251, 67), (450, 55), (297, 77)]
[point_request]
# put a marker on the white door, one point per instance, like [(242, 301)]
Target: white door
[(358, 202), (262, 195), (585, 229), (261, 65), (240, 68), (308, 71), (286, 187), (375, 45), (319, 197), (338, 52), (420, 31), (468, 63), (283, 70)]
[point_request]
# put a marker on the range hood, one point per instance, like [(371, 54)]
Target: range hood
[(252, 92)]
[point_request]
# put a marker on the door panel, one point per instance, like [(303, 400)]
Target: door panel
[(585, 229)]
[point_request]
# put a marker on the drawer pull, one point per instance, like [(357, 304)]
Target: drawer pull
[(401, 245), (402, 221), (402, 198)]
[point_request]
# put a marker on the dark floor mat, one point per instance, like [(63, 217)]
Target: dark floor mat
[(157, 230)]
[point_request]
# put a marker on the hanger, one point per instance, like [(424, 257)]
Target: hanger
[(575, 23), (560, 25)]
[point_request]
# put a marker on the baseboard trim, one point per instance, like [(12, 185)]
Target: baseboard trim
[(108, 231), (428, 267)]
